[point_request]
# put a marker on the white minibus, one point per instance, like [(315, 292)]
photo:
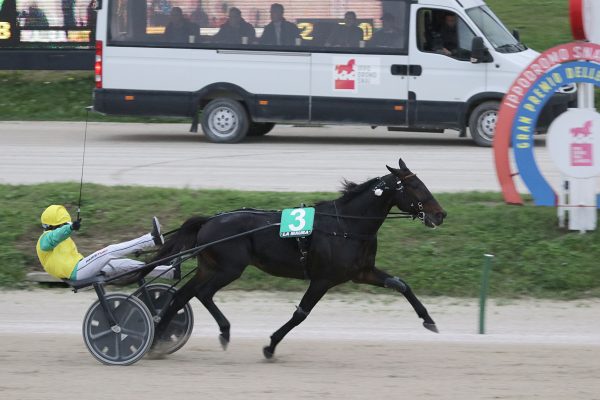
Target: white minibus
[(238, 67)]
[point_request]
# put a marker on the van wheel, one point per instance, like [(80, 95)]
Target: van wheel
[(260, 128), (482, 123), (225, 121)]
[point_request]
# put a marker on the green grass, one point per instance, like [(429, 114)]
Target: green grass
[(542, 24), (53, 96), (533, 257)]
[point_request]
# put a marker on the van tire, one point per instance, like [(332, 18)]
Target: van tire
[(260, 128), (225, 121), (482, 123)]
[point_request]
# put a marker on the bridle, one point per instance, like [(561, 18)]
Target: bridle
[(416, 210)]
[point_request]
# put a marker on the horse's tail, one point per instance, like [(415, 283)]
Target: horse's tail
[(183, 239)]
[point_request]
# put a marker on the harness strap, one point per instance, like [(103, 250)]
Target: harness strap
[(304, 247), (349, 235)]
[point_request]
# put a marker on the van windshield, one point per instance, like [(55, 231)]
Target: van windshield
[(494, 30)]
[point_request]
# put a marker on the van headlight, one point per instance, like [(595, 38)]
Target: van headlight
[(570, 88)]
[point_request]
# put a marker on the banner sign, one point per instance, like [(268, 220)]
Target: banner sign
[(521, 107)]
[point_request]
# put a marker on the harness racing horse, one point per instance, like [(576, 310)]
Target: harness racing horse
[(342, 248)]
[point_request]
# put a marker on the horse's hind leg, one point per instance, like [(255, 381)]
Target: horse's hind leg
[(377, 277), (212, 285), (314, 293), (224, 325), (205, 295), (181, 298)]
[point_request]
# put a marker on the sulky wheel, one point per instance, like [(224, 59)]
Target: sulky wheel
[(180, 328), (124, 343)]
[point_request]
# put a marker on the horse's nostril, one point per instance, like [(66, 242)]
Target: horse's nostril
[(441, 215)]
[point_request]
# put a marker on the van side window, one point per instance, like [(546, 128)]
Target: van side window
[(368, 26), (445, 33), (393, 32)]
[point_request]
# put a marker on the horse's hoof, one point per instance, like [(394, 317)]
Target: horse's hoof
[(157, 351), (267, 352), (224, 341), (152, 354), (431, 327)]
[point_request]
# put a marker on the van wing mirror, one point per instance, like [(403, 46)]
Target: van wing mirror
[(479, 53), (97, 5), (516, 35)]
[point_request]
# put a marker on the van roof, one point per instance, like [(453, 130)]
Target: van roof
[(454, 3)]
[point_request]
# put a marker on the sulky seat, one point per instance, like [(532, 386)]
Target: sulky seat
[(81, 283)]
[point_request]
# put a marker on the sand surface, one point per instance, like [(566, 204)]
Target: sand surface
[(350, 347)]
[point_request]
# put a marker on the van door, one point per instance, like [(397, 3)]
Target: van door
[(364, 84), (440, 46)]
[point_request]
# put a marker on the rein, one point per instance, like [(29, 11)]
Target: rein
[(395, 215), (390, 215)]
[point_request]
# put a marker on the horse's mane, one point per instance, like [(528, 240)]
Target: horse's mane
[(352, 189)]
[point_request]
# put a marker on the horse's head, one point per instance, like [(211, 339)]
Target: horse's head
[(412, 196)]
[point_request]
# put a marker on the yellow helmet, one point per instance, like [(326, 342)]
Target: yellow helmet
[(55, 215)]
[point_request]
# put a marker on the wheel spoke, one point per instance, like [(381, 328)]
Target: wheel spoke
[(117, 347), (128, 317), (134, 334), (101, 334)]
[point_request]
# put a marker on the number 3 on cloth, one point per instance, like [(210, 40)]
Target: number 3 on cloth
[(296, 222)]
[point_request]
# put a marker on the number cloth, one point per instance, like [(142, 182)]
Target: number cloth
[(296, 222)]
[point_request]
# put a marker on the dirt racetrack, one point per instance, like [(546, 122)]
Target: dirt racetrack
[(351, 347)]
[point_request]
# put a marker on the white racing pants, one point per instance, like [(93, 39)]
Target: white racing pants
[(111, 260)]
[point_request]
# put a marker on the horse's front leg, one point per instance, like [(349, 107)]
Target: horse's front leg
[(377, 277), (316, 290)]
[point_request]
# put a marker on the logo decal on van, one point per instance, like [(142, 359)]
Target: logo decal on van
[(351, 74), (344, 76)]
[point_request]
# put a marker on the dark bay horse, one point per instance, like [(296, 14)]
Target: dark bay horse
[(342, 248)]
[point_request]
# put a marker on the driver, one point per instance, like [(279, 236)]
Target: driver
[(446, 40), (58, 253)]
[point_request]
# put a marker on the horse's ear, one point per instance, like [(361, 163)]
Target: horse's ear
[(402, 165), (394, 171)]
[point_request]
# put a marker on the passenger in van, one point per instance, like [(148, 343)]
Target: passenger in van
[(35, 17), (179, 29), (346, 35), (199, 17), (235, 29), (445, 41), (388, 35), (279, 31)]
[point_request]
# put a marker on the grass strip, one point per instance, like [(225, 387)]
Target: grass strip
[(533, 257)]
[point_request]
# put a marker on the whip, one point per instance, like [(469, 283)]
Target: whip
[(87, 115)]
